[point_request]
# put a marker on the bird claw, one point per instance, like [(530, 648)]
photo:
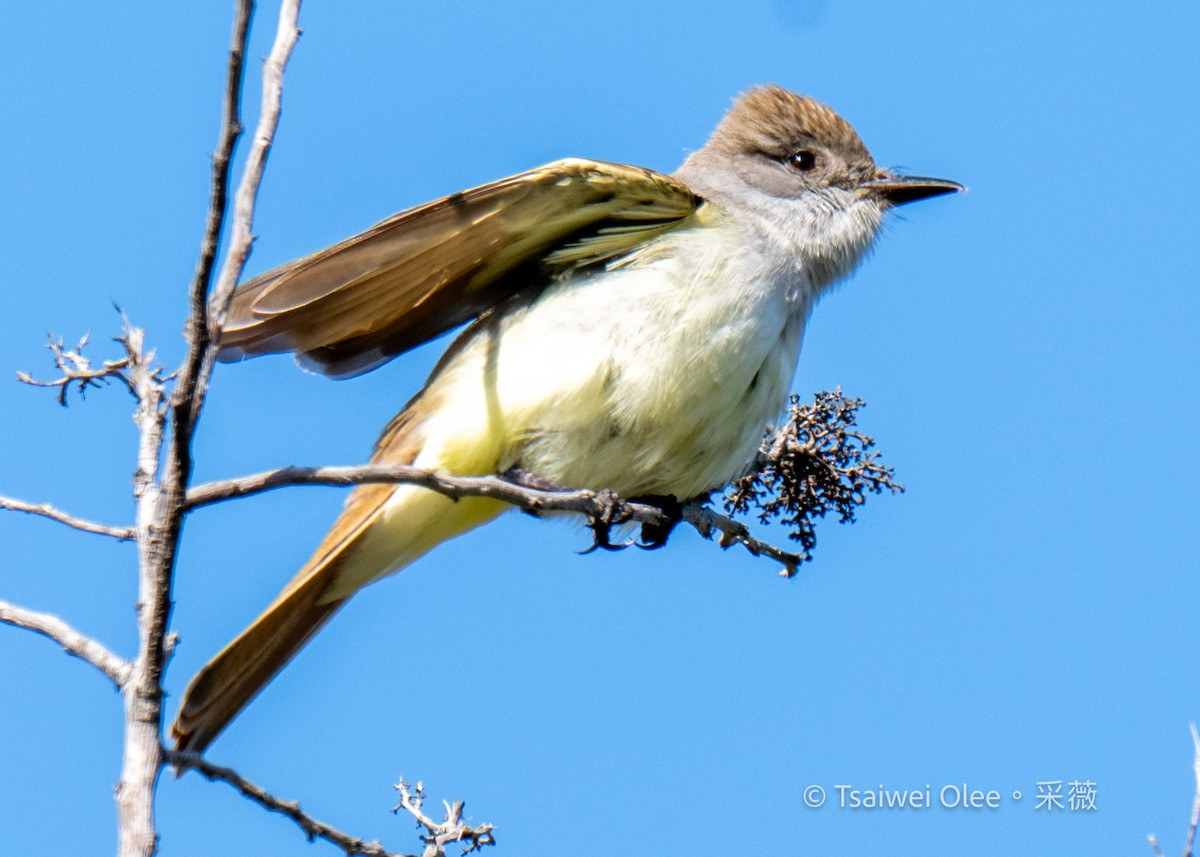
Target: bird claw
[(611, 511), (654, 536), (601, 543)]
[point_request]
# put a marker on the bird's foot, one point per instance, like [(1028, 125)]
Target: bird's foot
[(654, 536), (611, 511)]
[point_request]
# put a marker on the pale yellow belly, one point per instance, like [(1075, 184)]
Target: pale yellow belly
[(627, 384)]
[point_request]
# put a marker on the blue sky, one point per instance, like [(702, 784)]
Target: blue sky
[(1026, 612)]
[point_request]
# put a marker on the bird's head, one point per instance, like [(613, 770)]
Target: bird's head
[(803, 175)]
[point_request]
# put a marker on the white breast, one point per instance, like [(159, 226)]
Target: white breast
[(656, 377)]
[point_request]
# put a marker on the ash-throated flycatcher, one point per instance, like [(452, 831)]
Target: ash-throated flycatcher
[(632, 331)]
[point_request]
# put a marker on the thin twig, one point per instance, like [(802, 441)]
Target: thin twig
[(241, 237), (1191, 839), (73, 642), (209, 307), (496, 487), (592, 504), (45, 510), (439, 834), (1190, 844), (705, 519), (196, 326), (76, 368), (312, 828)]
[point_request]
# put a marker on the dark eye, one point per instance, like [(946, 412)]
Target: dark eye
[(804, 160)]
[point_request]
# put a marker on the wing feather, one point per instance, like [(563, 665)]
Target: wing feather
[(362, 301)]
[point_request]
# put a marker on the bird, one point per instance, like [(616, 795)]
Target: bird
[(625, 330)]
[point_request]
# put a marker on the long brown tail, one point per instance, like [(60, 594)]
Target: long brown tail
[(227, 683), (235, 676), (383, 528)]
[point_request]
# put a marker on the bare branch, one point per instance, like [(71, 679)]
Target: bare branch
[(208, 310), (72, 641), (522, 496), (441, 833), (705, 520), (312, 828), (45, 510), (141, 760), (1189, 846), (76, 368), (816, 462), (160, 491), (196, 329), (603, 508), (241, 237), (159, 503)]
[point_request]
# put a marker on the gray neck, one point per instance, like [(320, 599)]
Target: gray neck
[(816, 238)]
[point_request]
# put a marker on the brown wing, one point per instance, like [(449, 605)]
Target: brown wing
[(348, 308)]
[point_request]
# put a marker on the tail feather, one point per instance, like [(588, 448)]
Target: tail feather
[(369, 540), (382, 529), (235, 676), (227, 683)]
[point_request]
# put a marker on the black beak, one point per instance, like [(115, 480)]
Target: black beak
[(901, 190)]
